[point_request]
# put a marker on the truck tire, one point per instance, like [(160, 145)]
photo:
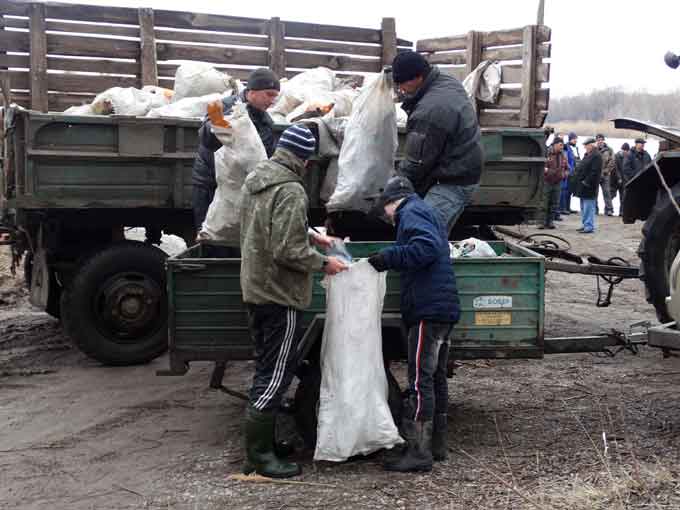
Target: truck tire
[(660, 243), (115, 308), (307, 403), (53, 307)]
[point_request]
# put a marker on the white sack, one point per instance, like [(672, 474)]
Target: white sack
[(472, 248), (354, 416), (314, 85), (195, 79), (367, 155), (241, 150), (123, 101), (188, 108), (484, 83)]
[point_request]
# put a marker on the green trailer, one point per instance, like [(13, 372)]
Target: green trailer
[(502, 303)]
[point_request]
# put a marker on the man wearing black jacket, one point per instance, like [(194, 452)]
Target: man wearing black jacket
[(586, 183), (261, 92), (444, 156)]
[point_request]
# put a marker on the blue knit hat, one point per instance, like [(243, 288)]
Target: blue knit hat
[(299, 140)]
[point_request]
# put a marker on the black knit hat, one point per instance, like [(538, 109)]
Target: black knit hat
[(409, 65), (263, 79), (625, 146)]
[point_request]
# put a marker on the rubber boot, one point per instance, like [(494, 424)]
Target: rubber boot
[(439, 438), (393, 455), (418, 454), (260, 454)]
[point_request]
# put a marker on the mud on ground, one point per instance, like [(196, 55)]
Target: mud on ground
[(568, 432)]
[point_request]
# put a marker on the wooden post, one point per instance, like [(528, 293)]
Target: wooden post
[(147, 47), (389, 40), (527, 114), (277, 47), (540, 18), (473, 51), (38, 59)]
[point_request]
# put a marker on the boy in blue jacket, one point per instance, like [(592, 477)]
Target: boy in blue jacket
[(430, 309)]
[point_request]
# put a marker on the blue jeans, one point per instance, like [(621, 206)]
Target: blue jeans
[(565, 200), (588, 206), (449, 200)]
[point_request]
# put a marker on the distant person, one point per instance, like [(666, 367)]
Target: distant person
[(556, 169), (617, 180), (585, 184), (573, 157), (557, 212), (608, 167), (638, 159)]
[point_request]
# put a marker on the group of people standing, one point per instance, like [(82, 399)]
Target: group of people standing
[(567, 173)]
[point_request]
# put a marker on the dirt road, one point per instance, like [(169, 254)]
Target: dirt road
[(568, 432)]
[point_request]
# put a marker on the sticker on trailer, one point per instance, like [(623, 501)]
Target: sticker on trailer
[(493, 318), (483, 302)]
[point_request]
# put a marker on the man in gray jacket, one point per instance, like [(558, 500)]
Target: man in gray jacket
[(444, 155)]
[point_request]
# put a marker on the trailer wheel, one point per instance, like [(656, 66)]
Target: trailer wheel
[(307, 403), (115, 307), (658, 248)]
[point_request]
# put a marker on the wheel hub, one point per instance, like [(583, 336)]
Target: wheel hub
[(129, 304)]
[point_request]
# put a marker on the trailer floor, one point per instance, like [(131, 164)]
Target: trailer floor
[(569, 432)]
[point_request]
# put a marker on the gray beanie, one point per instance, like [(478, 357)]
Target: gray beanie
[(263, 79)]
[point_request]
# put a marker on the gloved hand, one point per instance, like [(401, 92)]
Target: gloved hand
[(378, 262)]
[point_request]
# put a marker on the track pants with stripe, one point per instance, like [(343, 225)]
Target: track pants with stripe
[(274, 329), (428, 354)]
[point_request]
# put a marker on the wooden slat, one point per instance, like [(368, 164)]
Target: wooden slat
[(15, 41), (510, 99), (94, 13), (10, 8), (38, 58), (513, 36), (91, 47), (389, 40), (81, 28), (332, 32), (93, 84), (277, 47), (473, 51), (333, 47), (68, 64), (514, 73), (514, 53), (497, 38), (167, 72), (456, 72), (494, 118), (335, 62), (147, 43), (458, 42), (238, 56), (451, 58), (203, 21), (529, 63), (211, 38)]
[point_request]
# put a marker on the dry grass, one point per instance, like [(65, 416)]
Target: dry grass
[(588, 128)]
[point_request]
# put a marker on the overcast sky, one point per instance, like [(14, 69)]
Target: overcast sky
[(595, 43)]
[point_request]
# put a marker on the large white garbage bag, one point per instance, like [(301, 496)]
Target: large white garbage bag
[(195, 79), (313, 85), (241, 150), (189, 107), (354, 417), (366, 159)]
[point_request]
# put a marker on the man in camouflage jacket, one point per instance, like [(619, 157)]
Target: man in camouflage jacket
[(608, 169), (277, 265)]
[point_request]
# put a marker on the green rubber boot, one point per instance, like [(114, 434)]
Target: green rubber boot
[(260, 454)]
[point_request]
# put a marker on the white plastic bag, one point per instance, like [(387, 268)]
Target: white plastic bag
[(314, 85), (471, 248), (123, 101), (354, 416), (241, 150), (188, 108), (195, 79), (367, 155)]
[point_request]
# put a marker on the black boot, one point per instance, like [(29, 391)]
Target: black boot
[(418, 453), (260, 454), (439, 438)]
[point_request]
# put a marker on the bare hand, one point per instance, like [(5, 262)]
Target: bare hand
[(322, 241), (334, 266)]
